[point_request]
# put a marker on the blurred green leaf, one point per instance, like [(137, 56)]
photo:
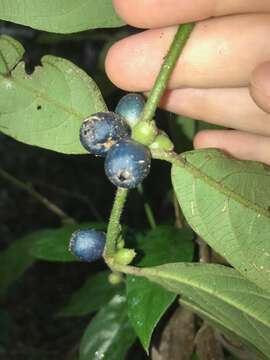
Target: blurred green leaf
[(148, 302), (109, 334), (61, 16), (92, 296), (188, 126), (226, 201), (5, 326), (237, 304), (46, 109), (52, 245), (202, 125), (183, 129), (16, 259)]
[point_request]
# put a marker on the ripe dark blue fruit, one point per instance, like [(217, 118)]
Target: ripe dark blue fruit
[(130, 107), (127, 163), (102, 130), (87, 245)]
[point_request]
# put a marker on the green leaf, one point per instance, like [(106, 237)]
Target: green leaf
[(226, 201), (219, 324), (148, 302), (16, 259), (60, 16), (109, 334), (188, 126), (92, 296), (11, 52), (46, 109), (238, 304), (53, 244)]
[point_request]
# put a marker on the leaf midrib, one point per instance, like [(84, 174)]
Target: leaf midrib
[(198, 173), (154, 273)]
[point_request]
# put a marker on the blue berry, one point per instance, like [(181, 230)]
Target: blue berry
[(130, 107), (127, 163), (102, 130), (87, 245)]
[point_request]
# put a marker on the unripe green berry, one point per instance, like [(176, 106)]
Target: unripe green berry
[(115, 278), (124, 256), (162, 142), (145, 132)]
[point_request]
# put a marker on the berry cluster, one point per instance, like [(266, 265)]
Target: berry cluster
[(127, 163), (108, 134)]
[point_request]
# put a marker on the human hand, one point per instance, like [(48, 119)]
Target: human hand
[(222, 76)]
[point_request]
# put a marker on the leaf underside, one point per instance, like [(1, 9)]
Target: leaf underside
[(234, 302), (226, 202)]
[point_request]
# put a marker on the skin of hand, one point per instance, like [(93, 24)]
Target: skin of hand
[(222, 76)]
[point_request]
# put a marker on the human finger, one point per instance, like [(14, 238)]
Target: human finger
[(241, 145), (229, 107), (260, 86), (161, 13), (221, 52)]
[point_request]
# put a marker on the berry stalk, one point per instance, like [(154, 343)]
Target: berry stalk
[(157, 91), (114, 228), (147, 208), (168, 65)]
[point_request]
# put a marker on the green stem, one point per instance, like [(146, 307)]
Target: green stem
[(168, 156), (114, 228), (170, 60), (157, 91), (147, 208), (65, 218)]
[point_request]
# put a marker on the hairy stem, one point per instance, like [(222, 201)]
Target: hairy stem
[(152, 103), (66, 219), (170, 60), (114, 228)]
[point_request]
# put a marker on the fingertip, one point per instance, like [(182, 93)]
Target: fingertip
[(116, 66), (110, 59), (121, 8), (128, 63), (239, 144), (204, 139), (260, 86), (133, 13)]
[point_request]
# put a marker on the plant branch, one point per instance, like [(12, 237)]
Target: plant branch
[(72, 195), (170, 60), (152, 103), (147, 208), (66, 219), (168, 156), (114, 228)]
